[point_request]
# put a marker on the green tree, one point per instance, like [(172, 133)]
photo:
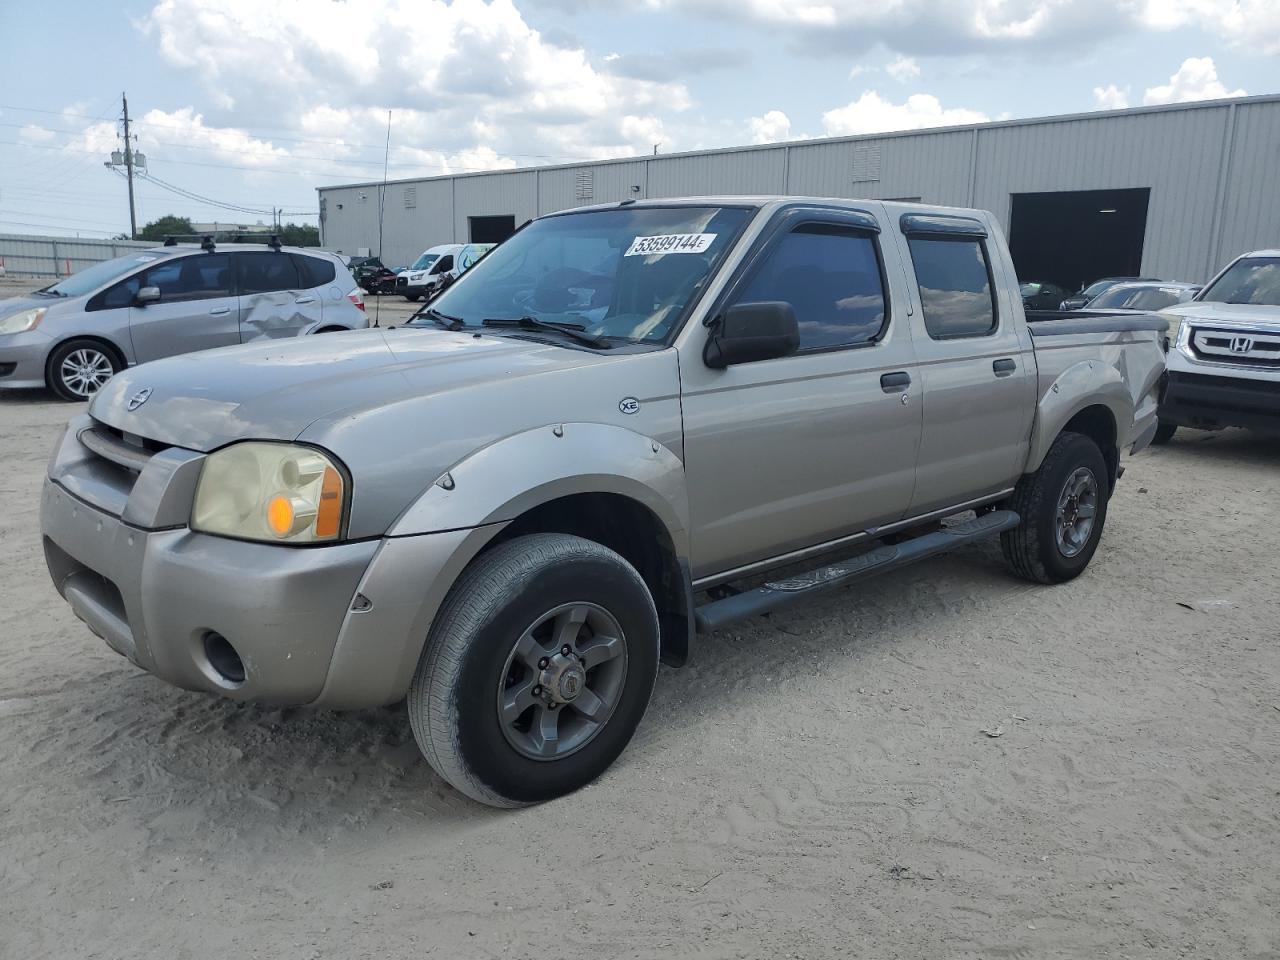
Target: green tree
[(168, 225), (299, 235)]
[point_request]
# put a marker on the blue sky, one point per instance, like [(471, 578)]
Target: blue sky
[(254, 103)]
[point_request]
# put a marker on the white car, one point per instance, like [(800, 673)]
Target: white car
[(1224, 365), (437, 267)]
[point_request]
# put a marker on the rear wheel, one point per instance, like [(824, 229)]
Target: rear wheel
[(1164, 433), (537, 671), (411, 297), (79, 368), (1063, 506)]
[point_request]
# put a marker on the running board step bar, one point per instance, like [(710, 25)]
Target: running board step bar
[(779, 593)]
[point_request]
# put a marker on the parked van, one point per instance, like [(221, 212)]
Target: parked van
[(437, 267)]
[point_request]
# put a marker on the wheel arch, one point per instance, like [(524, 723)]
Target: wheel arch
[(121, 356), (1089, 398)]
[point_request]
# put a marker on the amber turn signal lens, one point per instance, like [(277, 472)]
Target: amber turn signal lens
[(280, 515), (329, 516)]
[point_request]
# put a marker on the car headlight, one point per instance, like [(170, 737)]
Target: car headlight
[(22, 322), (274, 492)]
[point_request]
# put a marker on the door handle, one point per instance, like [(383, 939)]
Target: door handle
[(1004, 367), (893, 382), (305, 300), (219, 311)]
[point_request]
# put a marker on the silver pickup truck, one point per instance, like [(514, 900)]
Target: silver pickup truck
[(627, 425)]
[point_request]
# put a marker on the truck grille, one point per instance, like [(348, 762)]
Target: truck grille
[(1246, 348)]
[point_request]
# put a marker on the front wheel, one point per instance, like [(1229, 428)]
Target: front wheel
[(537, 670), (80, 368), (1063, 506), (411, 297)]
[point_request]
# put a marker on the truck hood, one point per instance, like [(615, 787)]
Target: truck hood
[(272, 390)]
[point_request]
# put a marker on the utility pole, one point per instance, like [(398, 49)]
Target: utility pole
[(128, 163)]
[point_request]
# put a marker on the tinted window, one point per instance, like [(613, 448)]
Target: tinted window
[(314, 272), (445, 264), (267, 272), (1136, 298), (831, 277), (198, 277), (955, 287)]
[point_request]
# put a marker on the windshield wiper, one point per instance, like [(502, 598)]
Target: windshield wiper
[(572, 330), (443, 319)]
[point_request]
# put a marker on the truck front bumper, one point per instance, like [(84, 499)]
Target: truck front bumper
[(340, 625), (1212, 402)]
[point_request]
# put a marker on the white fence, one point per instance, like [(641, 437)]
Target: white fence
[(32, 256)]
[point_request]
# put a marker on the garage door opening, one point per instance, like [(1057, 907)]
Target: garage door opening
[(1075, 237), (491, 229)]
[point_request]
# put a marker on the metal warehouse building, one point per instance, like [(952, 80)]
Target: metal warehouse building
[(1170, 192)]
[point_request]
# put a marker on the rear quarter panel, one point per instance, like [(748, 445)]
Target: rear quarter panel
[(1118, 370)]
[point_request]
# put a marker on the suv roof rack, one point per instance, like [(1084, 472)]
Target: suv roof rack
[(206, 240)]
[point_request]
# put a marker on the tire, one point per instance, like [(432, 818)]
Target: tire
[(478, 653), (67, 373), (1164, 433), (411, 297), (1033, 549)]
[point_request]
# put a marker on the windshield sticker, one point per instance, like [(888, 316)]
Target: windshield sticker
[(670, 243)]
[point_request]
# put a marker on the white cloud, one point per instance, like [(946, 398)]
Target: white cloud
[(903, 69), (1111, 97), (447, 70), (32, 133), (1250, 25), (770, 128), (872, 113), (1196, 79), (858, 69)]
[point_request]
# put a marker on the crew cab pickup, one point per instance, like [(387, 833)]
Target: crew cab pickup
[(1224, 368), (628, 425)]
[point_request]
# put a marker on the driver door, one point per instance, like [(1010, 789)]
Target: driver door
[(197, 308)]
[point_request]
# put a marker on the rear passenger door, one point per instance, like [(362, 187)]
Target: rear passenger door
[(274, 303), (786, 453), (978, 373), (196, 310)]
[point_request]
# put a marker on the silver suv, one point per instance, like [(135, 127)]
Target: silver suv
[(75, 335)]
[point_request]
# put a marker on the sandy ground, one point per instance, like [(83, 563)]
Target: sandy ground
[(811, 786)]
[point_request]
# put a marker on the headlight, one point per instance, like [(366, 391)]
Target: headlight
[(275, 492), (24, 321)]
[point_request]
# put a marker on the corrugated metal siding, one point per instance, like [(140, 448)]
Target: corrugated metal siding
[(742, 173), (1251, 207), (1177, 153), (38, 256), (933, 167)]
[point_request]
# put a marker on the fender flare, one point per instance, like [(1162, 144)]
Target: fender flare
[(499, 482), (1089, 383)]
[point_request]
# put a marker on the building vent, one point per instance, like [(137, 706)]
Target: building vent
[(586, 185), (410, 197), (866, 163)]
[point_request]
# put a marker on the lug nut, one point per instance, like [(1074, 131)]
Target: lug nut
[(537, 689), (542, 664), (565, 650)]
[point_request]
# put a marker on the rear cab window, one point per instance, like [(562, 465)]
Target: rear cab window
[(954, 277)]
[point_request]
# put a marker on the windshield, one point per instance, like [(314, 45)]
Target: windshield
[(626, 273), (424, 261), (1095, 288), (91, 278), (1255, 280), (1138, 298)]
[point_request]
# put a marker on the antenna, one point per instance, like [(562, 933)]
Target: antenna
[(382, 205)]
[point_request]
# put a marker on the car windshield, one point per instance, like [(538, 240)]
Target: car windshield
[(91, 278), (424, 261), (1095, 288), (626, 273), (1255, 280), (1137, 298)]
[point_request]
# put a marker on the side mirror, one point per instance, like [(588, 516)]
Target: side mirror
[(146, 295), (748, 332)]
